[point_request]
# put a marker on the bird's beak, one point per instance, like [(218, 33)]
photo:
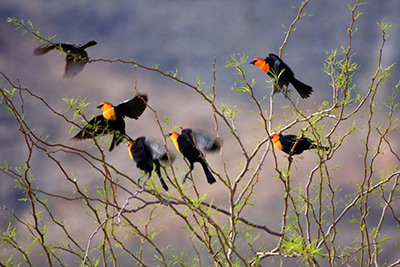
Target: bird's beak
[(130, 143), (98, 106), (252, 62), (167, 135)]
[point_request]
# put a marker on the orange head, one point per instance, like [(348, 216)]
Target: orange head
[(174, 137), (262, 64), (130, 144), (108, 111), (104, 106), (275, 139)]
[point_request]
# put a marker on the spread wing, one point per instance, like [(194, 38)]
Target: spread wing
[(76, 57), (156, 148), (43, 49), (201, 140), (74, 65), (133, 107)]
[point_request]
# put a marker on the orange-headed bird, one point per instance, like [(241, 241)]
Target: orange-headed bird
[(192, 144), (76, 59), (286, 143), (147, 153), (275, 67), (112, 119)]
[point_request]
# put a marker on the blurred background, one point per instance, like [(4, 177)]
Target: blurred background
[(186, 35)]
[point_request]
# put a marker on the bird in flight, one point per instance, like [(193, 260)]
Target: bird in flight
[(76, 58)]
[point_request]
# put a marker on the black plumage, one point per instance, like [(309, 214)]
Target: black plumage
[(76, 58), (147, 153), (287, 142), (190, 144), (277, 69), (112, 120)]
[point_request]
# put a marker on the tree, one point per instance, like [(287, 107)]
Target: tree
[(319, 224)]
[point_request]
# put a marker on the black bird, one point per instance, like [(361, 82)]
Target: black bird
[(147, 153), (276, 68), (76, 58), (112, 119), (191, 144), (286, 143)]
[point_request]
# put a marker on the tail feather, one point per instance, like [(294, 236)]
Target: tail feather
[(116, 140), (158, 171), (164, 185), (89, 44), (303, 89), (113, 142), (210, 177)]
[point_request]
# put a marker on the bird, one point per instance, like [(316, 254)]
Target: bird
[(277, 69), (147, 153), (112, 119), (286, 143), (76, 58), (192, 144)]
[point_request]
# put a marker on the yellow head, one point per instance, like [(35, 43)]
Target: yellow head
[(130, 144), (275, 139), (174, 137), (104, 106), (108, 111)]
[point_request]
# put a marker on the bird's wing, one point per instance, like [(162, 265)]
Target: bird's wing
[(96, 126), (156, 148), (201, 140), (289, 138), (273, 56), (133, 107), (277, 63), (43, 49), (306, 139), (74, 66)]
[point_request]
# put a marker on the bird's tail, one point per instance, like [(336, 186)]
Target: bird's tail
[(89, 44), (158, 171), (164, 185), (303, 89), (116, 140), (210, 177)]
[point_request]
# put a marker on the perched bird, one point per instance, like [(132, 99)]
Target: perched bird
[(276, 68), (147, 152), (76, 59), (192, 144), (286, 143), (112, 119)]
